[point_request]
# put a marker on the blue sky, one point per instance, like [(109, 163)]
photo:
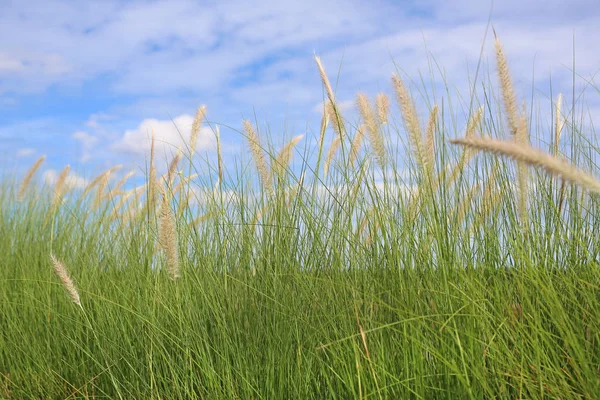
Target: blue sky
[(84, 82)]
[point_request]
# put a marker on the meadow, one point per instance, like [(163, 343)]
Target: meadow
[(407, 255)]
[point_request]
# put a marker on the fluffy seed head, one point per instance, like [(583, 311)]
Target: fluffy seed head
[(61, 271), (28, 176), (196, 127), (257, 153), (534, 157), (375, 137), (167, 236)]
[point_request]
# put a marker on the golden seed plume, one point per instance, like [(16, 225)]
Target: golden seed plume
[(28, 176), (356, 142), (382, 101), (167, 236), (122, 181), (323, 129), (325, 81), (375, 137), (336, 119), (61, 271), (173, 169), (60, 186), (285, 155), (550, 164), (409, 115), (196, 127), (259, 157), (508, 93), (430, 142), (102, 183)]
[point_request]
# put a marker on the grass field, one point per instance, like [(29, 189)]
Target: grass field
[(390, 261)]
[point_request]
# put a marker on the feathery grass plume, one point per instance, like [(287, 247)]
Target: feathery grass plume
[(283, 158), (122, 181), (61, 271), (375, 137), (123, 199), (102, 183), (332, 149), (28, 176), (259, 157), (430, 142), (323, 129), (196, 127), (167, 236), (219, 155), (336, 119), (60, 187), (325, 81), (382, 102), (173, 169), (356, 142), (531, 156), (331, 106), (410, 118), (558, 127), (508, 93)]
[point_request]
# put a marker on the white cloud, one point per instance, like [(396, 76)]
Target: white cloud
[(25, 152), (169, 135), (73, 181)]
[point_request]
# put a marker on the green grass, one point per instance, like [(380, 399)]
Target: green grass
[(424, 302)]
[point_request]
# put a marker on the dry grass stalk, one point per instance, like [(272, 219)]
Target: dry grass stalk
[(285, 155), (167, 236), (508, 93), (28, 176), (356, 142), (430, 142), (410, 118), (382, 102), (196, 127), (259, 157), (61, 271), (124, 198), (375, 137), (528, 155)]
